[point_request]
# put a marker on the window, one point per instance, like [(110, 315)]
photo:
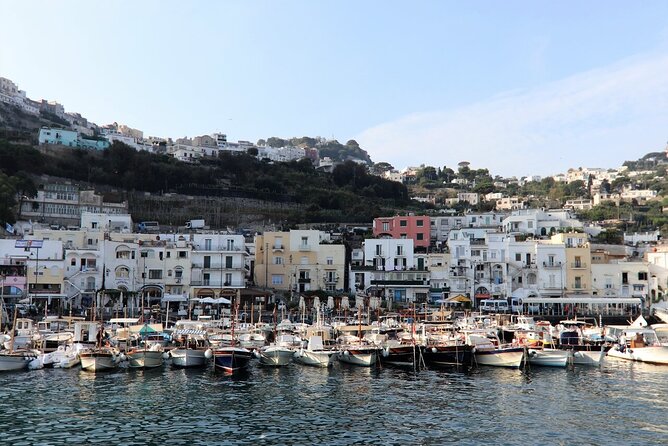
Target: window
[(400, 250), (642, 275), (207, 244), (178, 273), (122, 272), (330, 276), (420, 236), (304, 260), (155, 274), (278, 243), (277, 279), (228, 279), (518, 257), (207, 261), (403, 223), (228, 261), (278, 260), (330, 260), (169, 254), (379, 250), (183, 254), (420, 223), (386, 226)]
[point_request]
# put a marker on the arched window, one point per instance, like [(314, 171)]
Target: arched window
[(122, 272)]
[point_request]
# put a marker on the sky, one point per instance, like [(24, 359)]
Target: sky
[(517, 87)]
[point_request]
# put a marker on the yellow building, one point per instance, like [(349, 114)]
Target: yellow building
[(578, 261), (299, 261)]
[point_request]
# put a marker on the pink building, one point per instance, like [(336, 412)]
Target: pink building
[(416, 227)]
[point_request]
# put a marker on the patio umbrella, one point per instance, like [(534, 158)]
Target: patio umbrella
[(302, 304), (330, 302), (316, 303), (344, 302)]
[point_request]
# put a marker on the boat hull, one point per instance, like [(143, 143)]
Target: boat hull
[(321, 358), (650, 355), (359, 357), (548, 357), (186, 357), (401, 356), (586, 354), (276, 356), (98, 362), (15, 361), (145, 359), (231, 359), (448, 355), (510, 357)]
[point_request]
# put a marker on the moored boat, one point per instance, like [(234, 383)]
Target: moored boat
[(231, 359), (314, 354), (99, 359)]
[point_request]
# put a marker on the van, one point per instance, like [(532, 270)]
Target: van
[(517, 306), (148, 226), (494, 306)]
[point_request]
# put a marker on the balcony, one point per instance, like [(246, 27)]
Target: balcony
[(551, 286), (551, 264), (304, 280), (578, 265), (579, 286), (278, 247), (304, 247), (400, 282)]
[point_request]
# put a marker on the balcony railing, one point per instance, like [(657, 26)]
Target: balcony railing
[(304, 247), (551, 286), (551, 264), (304, 280), (578, 265), (579, 286)]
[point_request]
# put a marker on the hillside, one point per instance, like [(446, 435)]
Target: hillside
[(326, 148), (307, 195)]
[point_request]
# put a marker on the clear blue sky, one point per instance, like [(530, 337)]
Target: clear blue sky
[(519, 87)]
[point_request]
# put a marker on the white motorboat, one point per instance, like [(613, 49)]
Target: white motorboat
[(65, 357), (359, 354), (548, 357), (275, 355), (637, 343), (315, 354)]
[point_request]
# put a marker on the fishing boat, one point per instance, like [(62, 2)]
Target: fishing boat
[(65, 356), (359, 354), (275, 355), (192, 348), (102, 357), (452, 354), (148, 351), (232, 359), (315, 354), (540, 349), (10, 359), (583, 349)]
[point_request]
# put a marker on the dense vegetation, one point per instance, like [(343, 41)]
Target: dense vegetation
[(348, 194)]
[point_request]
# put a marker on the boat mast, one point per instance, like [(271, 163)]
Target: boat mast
[(11, 342)]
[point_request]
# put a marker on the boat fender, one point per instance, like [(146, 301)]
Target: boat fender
[(166, 356), (123, 357), (35, 364), (117, 359), (386, 352), (434, 349), (208, 353), (257, 354), (346, 353)]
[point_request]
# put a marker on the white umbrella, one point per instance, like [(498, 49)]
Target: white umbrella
[(316, 303), (330, 302), (359, 301), (302, 304), (344, 302), (389, 303), (208, 300), (373, 302)]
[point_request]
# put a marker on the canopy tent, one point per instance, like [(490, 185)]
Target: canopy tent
[(174, 298), (458, 298)]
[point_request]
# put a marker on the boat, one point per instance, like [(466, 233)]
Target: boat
[(192, 348), (148, 351), (488, 350), (65, 356), (102, 357), (232, 359), (453, 354), (10, 359), (315, 354), (146, 356), (637, 342), (548, 357), (358, 354), (583, 350), (99, 359), (275, 355)]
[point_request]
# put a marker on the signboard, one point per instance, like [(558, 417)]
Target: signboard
[(29, 244)]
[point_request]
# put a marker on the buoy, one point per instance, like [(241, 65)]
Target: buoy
[(346, 353), (35, 364), (208, 353), (434, 349), (123, 357), (386, 352), (165, 356)]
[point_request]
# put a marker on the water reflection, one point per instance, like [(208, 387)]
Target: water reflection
[(620, 403)]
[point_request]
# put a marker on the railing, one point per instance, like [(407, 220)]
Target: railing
[(551, 264), (578, 265), (304, 247), (549, 286), (304, 280), (579, 286)]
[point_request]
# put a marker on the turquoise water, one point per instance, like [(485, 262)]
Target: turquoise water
[(621, 403)]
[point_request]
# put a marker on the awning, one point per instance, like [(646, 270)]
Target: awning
[(174, 298), (458, 298), (585, 299)]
